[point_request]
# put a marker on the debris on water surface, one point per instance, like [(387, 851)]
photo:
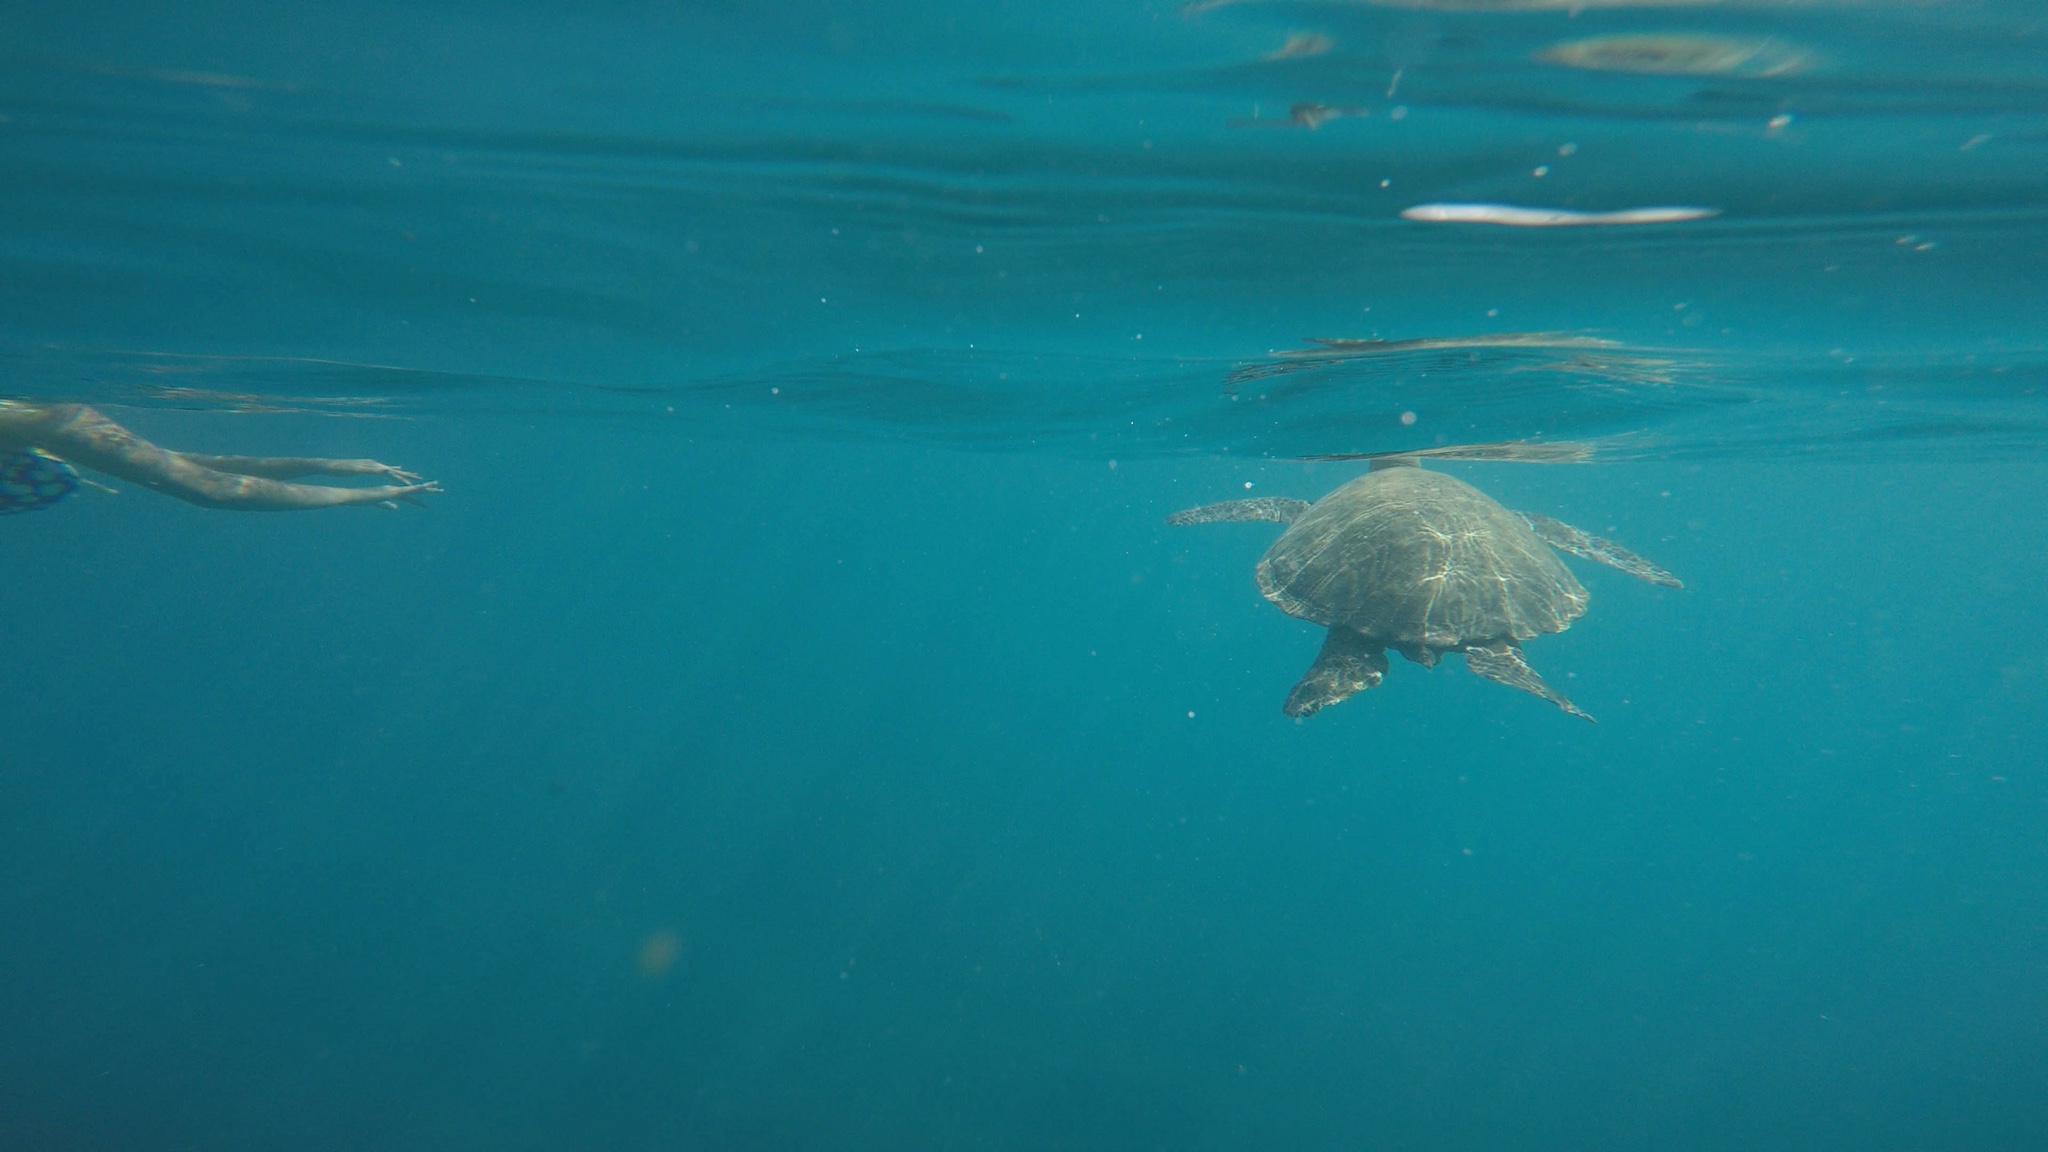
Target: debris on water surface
[(1678, 54), (1302, 44), (1519, 217)]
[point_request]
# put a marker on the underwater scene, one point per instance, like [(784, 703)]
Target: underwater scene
[(1436, 575)]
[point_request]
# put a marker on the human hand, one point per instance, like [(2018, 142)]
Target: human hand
[(372, 468)]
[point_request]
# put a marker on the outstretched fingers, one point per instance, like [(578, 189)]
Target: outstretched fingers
[(362, 468), (411, 493), (373, 468)]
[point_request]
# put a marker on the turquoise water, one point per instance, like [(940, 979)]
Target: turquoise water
[(795, 726)]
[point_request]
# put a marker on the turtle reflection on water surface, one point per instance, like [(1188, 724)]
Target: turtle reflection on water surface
[(1425, 564)]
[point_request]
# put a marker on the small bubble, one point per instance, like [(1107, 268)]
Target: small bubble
[(1191, 715), (1567, 149), (1386, 183), (1541, 171), (1493, 312), (1112, 465), (1398, 112), (1247, 483), (1407, 417), (1781, 120)]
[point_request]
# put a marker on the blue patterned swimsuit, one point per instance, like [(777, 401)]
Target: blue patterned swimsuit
[(32, 479)]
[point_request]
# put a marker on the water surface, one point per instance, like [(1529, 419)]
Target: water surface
[(795, 726)]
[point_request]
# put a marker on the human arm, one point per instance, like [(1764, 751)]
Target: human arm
[(293, 467), (83, 436)]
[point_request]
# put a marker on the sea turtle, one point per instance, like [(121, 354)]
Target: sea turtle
[(1425, 564)]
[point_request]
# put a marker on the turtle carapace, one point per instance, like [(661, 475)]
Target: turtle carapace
[(1422, 563)]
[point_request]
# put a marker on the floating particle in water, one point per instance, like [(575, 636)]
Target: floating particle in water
[(1678, 54), (1304, 115), (1515, 216), (658, 953)]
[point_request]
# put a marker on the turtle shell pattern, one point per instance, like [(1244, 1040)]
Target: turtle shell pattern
[(1418, 559)]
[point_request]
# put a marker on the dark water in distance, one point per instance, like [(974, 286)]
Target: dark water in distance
[(795, 726)]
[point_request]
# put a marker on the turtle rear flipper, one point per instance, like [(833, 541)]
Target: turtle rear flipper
[(1579, 542), (1348, 664), (1274, 509), (1503, 662)]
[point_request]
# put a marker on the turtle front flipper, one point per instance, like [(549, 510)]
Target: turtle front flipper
[(1348, 664), (1579, 542), (1274, 509), (1503, 662)]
